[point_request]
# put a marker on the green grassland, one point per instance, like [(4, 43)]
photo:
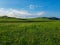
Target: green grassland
[(27, 32)]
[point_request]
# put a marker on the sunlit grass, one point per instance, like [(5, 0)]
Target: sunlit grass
[(34, 33)]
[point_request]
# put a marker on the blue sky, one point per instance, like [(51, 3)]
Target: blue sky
[(30, 8)]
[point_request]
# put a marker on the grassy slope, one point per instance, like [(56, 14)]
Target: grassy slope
[(30, 33), (10, 19)]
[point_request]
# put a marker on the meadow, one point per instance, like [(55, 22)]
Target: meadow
[(30, 33)]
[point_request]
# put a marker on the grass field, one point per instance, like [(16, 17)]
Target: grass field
[(30, 33)]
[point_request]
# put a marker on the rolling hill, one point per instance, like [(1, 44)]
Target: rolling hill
[(39, 19)]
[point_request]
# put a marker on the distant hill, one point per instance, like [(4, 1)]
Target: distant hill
[(5, 18), (54, 18), (45, 19), (38, 19)]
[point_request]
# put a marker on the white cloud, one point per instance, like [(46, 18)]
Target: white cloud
[(31, 6), (19, 13), (40, 13)]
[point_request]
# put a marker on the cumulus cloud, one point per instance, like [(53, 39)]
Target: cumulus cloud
[(40, 13), (19, 13)]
